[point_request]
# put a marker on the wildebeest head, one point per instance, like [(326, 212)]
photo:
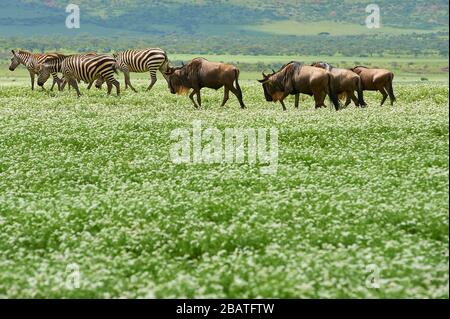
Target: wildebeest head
[(177, 78), (15, 61), (268, 86), (274, 84)]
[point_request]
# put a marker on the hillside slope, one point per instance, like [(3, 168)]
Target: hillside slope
[(142, 14)]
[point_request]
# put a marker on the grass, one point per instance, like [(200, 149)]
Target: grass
[(89, 182)]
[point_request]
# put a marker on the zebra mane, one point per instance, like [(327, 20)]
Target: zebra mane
[(57, 57)]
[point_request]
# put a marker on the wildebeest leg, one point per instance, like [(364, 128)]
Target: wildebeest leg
[(319, 98), (385, 95), (353, 97), (238, 94), (153, 79), (390, 92), (199, 99), (75, 85), (191, 96), (282, 104), (128, 81), (226, 96), (348, 100), (297, 100)]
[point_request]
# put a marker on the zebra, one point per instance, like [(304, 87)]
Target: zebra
[(89, 68), (140, 61), (54, 66), (33, 62)]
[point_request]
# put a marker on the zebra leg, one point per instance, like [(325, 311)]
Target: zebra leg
[(153, 79), (90, 85), (127, 81), (32, 79), (55, 81), (63, 84), (74, 84), (117, 85)]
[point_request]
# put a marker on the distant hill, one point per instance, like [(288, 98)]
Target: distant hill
[(195, 16), (224, 26)]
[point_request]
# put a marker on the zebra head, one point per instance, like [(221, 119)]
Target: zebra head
[(15, 61), (44, 74)]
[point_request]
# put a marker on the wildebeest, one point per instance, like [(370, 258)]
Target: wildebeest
[(200, 73), (377, 80), (295, 78), (345, 82)]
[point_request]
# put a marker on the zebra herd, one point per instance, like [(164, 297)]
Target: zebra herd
[(91, 67), (294, 78)]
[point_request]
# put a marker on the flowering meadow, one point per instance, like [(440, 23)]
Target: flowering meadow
[(91, 205)]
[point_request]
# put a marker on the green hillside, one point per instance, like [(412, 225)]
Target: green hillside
[(191, 16), (332, 28)]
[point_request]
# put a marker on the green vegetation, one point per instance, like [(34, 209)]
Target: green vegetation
[(258, 27), (289, 27), (89, 182)]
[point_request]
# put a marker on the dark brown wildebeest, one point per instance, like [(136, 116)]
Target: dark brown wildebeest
[(295, 78), (377, 80), (200, 73), (345, 83)]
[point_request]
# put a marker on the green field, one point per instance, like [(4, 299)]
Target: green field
[(288, 27), (89, 183)]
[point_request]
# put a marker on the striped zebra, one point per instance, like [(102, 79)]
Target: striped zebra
[(140, 61), (88, 69), (33, 62), (54, 65)]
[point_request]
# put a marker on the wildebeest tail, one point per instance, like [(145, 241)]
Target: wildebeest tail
[(238, 87), (333, 97), (360, 92), (390, 89)]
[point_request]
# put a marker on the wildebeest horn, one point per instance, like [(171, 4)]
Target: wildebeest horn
[(273, 71), (264, 75)]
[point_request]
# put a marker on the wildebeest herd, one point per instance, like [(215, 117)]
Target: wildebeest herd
[(318, 79)]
